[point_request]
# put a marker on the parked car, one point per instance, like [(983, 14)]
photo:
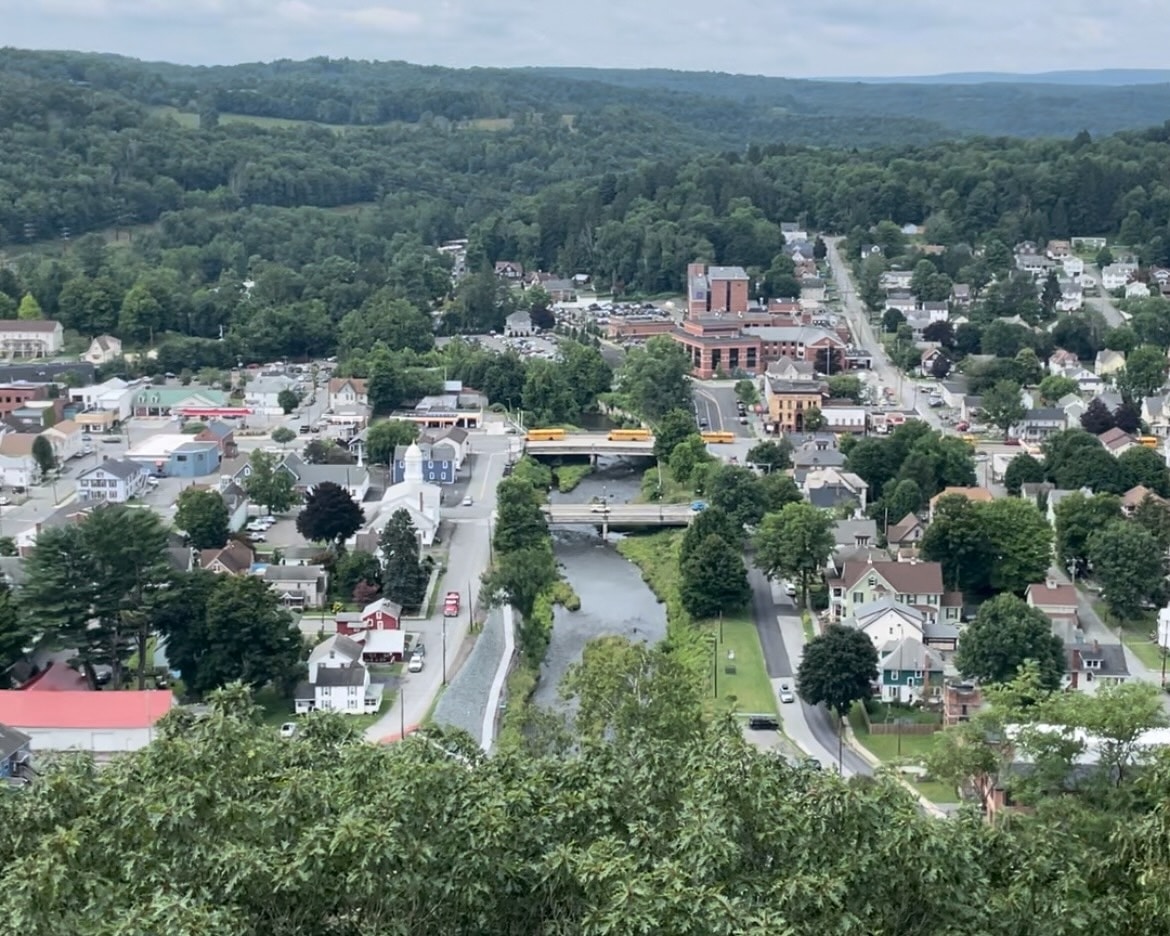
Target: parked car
[(962, 426), (451, 604), (416, 664), (419, 649), (1011, 440), (786, 694), (698, 506), (763, 723), (288, 729), (467, 501)]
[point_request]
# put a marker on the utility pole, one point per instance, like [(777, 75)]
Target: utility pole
[(445, 640), (401, 712)]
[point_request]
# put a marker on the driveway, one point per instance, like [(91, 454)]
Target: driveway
[(812, 728)]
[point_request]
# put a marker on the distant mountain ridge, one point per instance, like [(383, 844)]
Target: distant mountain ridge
[(1100, 78)]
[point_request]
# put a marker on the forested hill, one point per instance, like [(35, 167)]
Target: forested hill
[(719, 108), (1024, 108)]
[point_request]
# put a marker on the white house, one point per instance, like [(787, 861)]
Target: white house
[(896, 279), (793, 232), (1137, 290), (518, 324), (1072, 296), (30, 339), (1116, 275), (65, 438), (18, 468), (1073, 265), (886, 620), (338, 681), (263, 393), (452, 445), (100, 723), (298, 586), (115, 480), (346, 392), (419, 498), (103, 349), (845, 418)]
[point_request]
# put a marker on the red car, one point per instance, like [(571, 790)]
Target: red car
[(962, 426), (451, 604), (1011, 440)]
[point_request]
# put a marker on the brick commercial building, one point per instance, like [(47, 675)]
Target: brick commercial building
[(718, 346), (716, 289)]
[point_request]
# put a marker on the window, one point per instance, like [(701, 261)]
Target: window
[(1092, 664), (859, 597), (872, 581)]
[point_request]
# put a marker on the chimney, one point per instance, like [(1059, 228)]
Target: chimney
[(1096, 645), (1051, 583)]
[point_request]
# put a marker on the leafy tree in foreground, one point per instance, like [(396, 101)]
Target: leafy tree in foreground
[(674, 427), (330, 515), (268, 484), (1021, 470), (520, 523), (838, 668), (1077, 518), (203, 516), (221, 628), (714, 521), (736, 490), (383, 437), (656, 379), (283, 435), (1005, 634), (288, 400), (771, 455), (713, 579), (404, 578), (796, 542), (1002, 406), (42, 453), (1096, 418), (1129, 566)]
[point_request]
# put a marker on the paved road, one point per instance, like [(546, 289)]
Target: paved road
[(1103, 302), (715, 402), (858, 318), (812, 728), (467, 557)]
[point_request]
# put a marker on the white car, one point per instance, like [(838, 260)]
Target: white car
[(467, 501), (288, 729), (786, 694), (416, 664)]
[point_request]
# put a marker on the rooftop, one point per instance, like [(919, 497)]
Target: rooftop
[(84, 709)]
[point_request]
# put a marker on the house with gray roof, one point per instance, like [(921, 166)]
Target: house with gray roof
[(1092, 666), (1038, 424), (114, 481), (355, 479)]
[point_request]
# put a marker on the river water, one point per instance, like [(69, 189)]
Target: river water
[(614, 599)]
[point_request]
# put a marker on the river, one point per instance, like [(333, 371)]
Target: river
[(614, 599)]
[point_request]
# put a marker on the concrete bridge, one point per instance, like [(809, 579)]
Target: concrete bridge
[(620, 516), (592, 444)]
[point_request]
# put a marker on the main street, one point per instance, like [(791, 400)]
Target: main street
[(858, 318), (811, 727), (468, 555), (715, 404)]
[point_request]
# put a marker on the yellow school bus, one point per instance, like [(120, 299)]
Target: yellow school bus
[(719, 438), (629, 435), (545, 435), (1148, 441)]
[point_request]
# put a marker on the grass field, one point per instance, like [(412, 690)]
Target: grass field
[(190, 121), (748, 689), (1136, 634), (656, 555)]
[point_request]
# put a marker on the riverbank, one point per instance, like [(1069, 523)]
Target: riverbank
[(569, 476), (725, 654)]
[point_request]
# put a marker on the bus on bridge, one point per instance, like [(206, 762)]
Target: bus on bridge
[(546, 435), (629, 435), (719, 438)]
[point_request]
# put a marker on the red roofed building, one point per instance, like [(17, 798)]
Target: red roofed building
[(102, 723)]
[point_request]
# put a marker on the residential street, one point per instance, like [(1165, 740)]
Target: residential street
[(468, 555), (812, 728), (715, 402), (1103, 302)]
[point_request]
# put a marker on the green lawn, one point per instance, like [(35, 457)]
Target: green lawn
[(1136, 634), (749, 684), (569, 476), (277, 710)]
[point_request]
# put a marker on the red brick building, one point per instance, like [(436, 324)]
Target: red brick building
[(718, 345), (14, 395), (716, 289)]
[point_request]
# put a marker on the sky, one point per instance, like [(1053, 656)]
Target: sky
[(821, 38)]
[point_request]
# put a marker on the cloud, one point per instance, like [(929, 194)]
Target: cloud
[(830, 37)]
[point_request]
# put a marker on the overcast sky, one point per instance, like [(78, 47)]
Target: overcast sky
[(823, 37)]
